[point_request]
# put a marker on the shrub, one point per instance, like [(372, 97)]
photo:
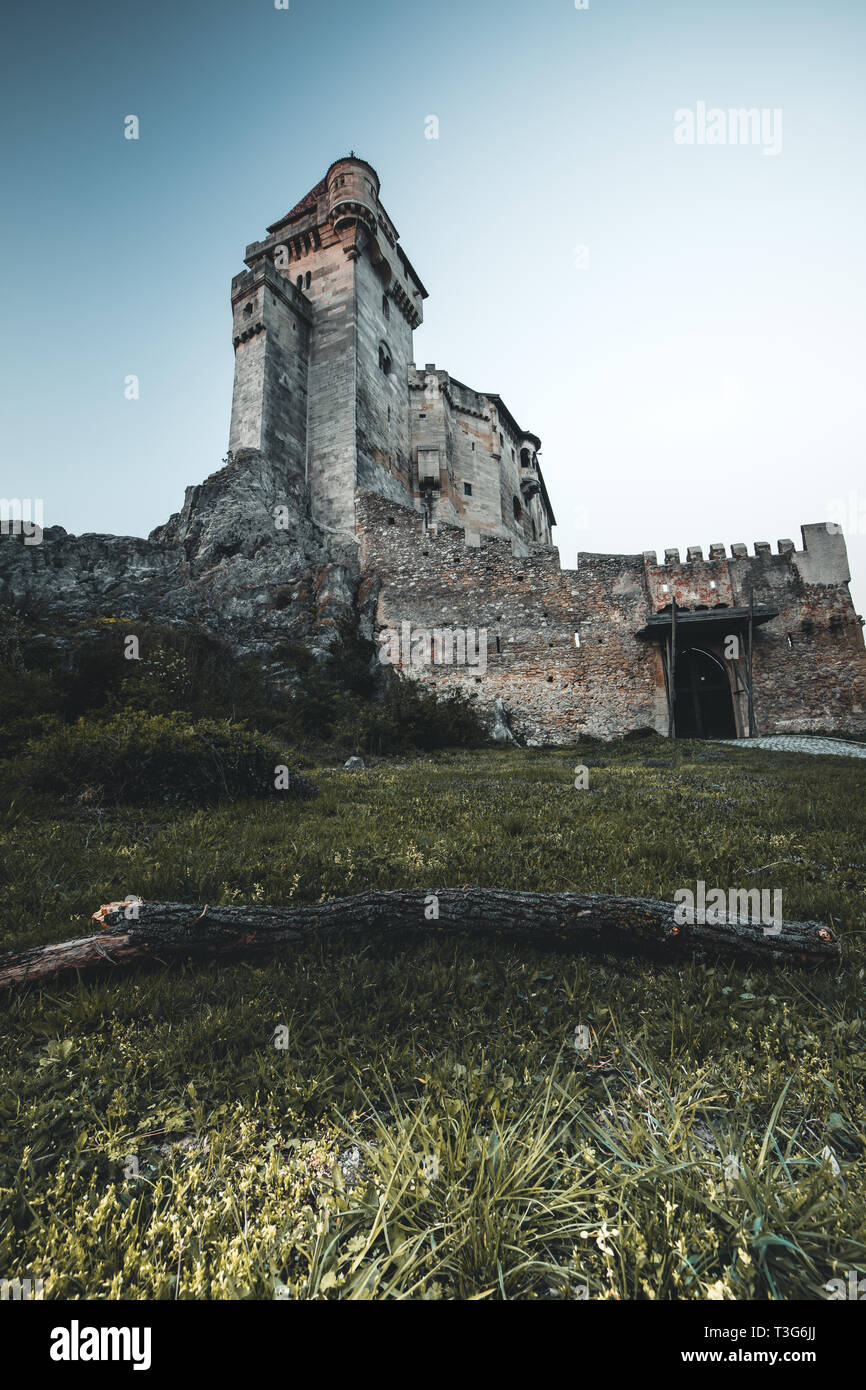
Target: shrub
[(345, 697), (137, 758), (28, 701), (413, 716), (28, 698), (83, 668), (342, 695), (186, 668)]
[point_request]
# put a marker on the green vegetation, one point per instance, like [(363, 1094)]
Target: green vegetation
[(429, 1128), (338, 702), (139, 758)]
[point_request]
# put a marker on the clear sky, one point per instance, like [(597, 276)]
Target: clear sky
[(695, 374)]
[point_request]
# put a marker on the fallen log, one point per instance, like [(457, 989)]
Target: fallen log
[(147, 932)]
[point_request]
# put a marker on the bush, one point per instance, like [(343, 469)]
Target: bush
[(189, 669), (346, 699), (51, 674), (28, 704), (137, 758), (413, 716), (83, 668), (28, 698)]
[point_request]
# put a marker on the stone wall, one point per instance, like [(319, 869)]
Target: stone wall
[(532, 613), (383, 455), (562, 649), (463, 437), (809, 662)]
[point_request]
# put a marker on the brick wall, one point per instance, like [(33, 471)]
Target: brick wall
[(613, 681), (531, 611)]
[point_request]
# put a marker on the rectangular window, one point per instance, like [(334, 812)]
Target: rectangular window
[(467, 488)]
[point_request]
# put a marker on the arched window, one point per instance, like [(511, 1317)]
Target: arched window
[(300, 282), (524, 458), (517, 509), (309, 280), (384, 359), (386, 307)]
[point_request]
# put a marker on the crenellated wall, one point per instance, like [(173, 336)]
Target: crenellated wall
[(809, 661)]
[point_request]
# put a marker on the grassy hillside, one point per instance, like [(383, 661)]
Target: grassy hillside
[(428, 1127)]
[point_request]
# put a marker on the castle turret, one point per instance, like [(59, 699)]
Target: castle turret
[(353, 196), (272, 319)]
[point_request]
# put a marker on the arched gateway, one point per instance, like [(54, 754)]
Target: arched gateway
[(704, 701)]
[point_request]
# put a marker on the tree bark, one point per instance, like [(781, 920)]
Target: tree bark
[(155, 932)]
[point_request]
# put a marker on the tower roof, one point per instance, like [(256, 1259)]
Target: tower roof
[(356, 159), (306, 203), (311, 199)]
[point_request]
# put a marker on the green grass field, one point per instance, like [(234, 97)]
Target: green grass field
[(429, 1129)]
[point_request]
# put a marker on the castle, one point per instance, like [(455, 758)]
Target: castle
[(325, 381), (357, 481)]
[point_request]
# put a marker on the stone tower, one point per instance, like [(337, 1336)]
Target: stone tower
[(327, 390), (323, 323)]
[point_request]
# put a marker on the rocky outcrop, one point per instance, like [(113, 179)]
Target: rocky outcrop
[(242, 557)]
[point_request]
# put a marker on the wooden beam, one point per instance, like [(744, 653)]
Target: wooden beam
[(752, 725), (672, 717)]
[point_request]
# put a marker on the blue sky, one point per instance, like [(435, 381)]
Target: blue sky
[(700, 380)]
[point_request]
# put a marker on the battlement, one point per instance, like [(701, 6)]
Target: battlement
[(822, 560), (260, 298), (717, 551)]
